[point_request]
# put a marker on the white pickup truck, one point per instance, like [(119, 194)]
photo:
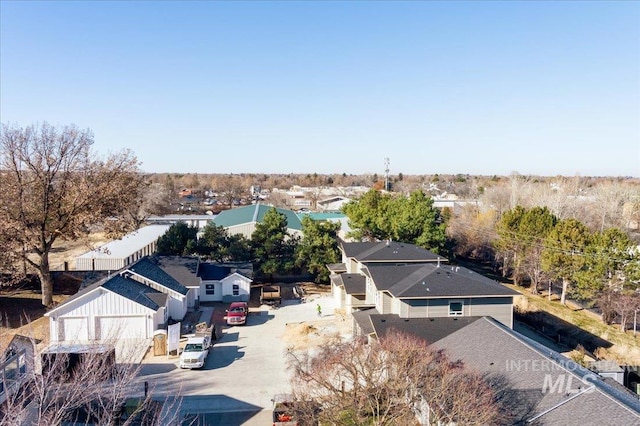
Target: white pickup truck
[(195, 352)]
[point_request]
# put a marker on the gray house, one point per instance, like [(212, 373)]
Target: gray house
[(536, 384), (411, 282)]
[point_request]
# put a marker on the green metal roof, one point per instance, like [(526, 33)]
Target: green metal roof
[(254, 213), (323, 215)]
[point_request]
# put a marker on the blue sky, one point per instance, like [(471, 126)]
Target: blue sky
[(543, 88)]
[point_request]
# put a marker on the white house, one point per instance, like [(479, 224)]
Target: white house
[(224, 282), (149, 273)]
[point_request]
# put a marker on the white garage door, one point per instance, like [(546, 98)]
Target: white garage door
[(73, 329), (133, 327)]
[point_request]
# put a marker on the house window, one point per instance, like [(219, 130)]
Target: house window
[(236, 289), (210, 289), (455, 309)]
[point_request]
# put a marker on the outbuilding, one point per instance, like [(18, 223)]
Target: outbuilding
[(121, 253), (109, 310)]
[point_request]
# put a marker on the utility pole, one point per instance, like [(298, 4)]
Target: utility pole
[(386, 173)]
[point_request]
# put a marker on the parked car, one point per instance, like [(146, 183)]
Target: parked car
[(237, 313), (195, 352)]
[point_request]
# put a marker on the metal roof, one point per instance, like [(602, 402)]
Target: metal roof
[(254, 213), (129, 244)]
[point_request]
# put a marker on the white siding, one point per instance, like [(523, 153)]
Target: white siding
[(113, 328), (243, 283), (217, 291), (338, 296), (99, 303), (73, 329)]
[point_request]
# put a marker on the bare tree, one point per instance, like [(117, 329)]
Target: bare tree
[(54, 187), (389, 382), (625, 305), (87, 386)]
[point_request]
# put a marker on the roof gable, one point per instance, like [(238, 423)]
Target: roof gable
[(148, 269)]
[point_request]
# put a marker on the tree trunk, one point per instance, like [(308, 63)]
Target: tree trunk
[(565, 286), (623, 323), (534, 287), (46, 282)]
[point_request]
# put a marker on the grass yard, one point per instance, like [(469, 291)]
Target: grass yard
[(625, 347)]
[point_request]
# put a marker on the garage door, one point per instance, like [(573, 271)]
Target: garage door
[(73, 329), (133, 327)]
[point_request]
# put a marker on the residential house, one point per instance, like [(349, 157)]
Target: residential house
[(412, 282), (225, 282), (149, 273), (184, 269), (536, 384)]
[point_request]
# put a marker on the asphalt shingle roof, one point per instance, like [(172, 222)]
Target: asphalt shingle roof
[(428, 280), (136, 292), (352, 283), (390, 251), (428, 329), (148, 269), (525, 366), (211, 272), (182, 268)]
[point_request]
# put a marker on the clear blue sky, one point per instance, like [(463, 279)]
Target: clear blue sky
[(537, 87)]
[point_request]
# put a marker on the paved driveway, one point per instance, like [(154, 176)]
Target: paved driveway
[(246, 367)]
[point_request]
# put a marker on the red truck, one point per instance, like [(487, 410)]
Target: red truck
[(237, 313)]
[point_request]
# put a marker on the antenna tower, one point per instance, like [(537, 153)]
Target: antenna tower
[(386, 173)]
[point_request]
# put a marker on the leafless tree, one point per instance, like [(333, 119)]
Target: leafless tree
[(625, 305), (473, 230), (389, 382), (54, 187), (86, 386)]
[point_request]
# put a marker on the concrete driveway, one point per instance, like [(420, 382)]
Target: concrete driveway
[(245, 368)]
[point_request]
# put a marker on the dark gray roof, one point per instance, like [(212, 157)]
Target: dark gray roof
[(430, 281), (527, 369), (212, 272), (134, 291), (337, 267), (362, 319), (148, 269), (183, 268), (352, 283), (392, 251), (428, 329), (209, 271)]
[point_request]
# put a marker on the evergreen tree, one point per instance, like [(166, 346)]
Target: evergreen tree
[(318, 248)]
